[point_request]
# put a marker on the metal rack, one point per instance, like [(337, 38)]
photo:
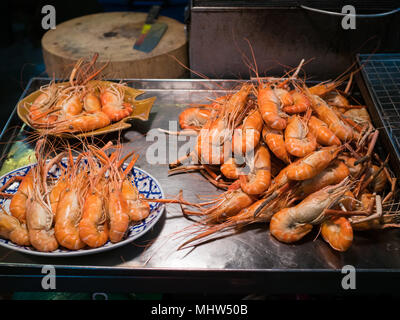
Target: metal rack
[(381, 73)]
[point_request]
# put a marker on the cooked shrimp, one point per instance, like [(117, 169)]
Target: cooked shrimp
[(18, 201), (112, 102), (230, 169), (93, 225), (209, 153), (338, 233), (71, 105), (244, 217), (39, 219), (379, 182), (117, 212), (334, 98), (322, 133), (309, 166), (246, 138), (283, 227), (68, 215), (12, 229), (91, 103), (259, 178), (233, 106), (325, 113), (117, 205), (230, 115), (349, 201), (55, 193), (280, 180), (231, 203), (138, 209), (285, 97), (93, 229), (69, 207), (35, 111), (214, 133), (336, 172), (299, 141), (300, 103), (291, 224), (40, 109), (276, 143), (85, 122), (358, 115), (269, 107), (212, 145), (194, 118), (379, 223), (366, 199), (323, 88), (204, 147), (378, 218), (355, 169)]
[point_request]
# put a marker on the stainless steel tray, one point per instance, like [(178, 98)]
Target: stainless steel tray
[(249, 261)]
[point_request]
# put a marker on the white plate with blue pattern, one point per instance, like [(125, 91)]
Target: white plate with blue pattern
[(145, 183)]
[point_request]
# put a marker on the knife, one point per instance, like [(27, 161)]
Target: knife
[(152, 32)]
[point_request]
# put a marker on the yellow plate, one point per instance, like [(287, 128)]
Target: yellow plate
[(141, 110)]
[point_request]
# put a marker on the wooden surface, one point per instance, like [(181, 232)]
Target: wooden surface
[(113, 35)]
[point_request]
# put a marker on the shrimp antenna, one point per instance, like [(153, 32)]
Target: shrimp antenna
[(193, 71), (255, 67)]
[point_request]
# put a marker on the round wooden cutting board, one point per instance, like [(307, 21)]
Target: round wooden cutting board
[(113, 35)]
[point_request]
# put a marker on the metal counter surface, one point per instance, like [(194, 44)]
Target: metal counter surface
[(250, 260)]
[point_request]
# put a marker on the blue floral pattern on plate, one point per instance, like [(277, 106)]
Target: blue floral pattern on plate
[(147, 185)]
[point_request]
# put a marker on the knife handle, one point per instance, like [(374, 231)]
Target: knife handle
[(153, 14)]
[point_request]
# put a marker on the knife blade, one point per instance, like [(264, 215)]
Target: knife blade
[(151, 32)]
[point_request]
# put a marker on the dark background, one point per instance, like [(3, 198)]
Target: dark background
[(21, 33)]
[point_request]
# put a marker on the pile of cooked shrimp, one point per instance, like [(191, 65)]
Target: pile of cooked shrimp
[(79, 105), (291, 155), (93, 201)]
